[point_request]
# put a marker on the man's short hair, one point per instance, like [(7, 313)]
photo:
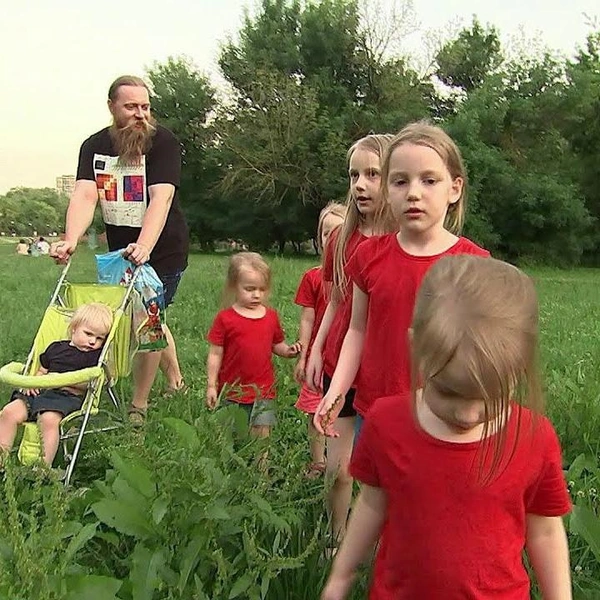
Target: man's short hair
[(124, 80)]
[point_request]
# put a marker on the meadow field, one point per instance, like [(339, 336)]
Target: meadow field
[(179, 509)]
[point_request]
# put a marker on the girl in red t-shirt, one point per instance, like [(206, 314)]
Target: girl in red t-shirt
[(463, 478), (312, 297), (365, 217), (242, 339), (424, 184)]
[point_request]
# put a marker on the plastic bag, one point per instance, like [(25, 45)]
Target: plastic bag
[(149, 312)]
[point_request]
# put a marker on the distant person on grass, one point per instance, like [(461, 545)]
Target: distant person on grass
[(43, 246), (243, 338), (133, 168), (22, 247), (88, 329)]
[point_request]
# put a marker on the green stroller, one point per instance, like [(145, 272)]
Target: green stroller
[(114, 362)]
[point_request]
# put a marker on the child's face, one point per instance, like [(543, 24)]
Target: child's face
[(250, 289), (365, 179), (459, 415), (330, 222), (420, 188), (87, 337)]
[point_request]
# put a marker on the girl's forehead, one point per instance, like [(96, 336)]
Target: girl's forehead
[(416, 156), (363, 159), (248, 274)]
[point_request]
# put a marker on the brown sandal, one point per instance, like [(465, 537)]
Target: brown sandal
[(137, 416)]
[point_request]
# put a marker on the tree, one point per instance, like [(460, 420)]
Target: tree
[(466, 61), (25, 210), (306, 85), (183, 100)]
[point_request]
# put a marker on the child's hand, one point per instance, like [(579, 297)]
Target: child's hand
[(31, 392), (294, 350), (211, 396), (314, 370), (299, 371), (337, 587), (327, 412)]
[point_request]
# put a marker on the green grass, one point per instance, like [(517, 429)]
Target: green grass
[(211, 524)]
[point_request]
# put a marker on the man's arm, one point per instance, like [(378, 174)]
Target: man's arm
[(80, 214), (161, 197)]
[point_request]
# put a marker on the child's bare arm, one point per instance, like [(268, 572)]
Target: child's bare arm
[(364, 527), (347, 365), (213, 365), (548, 551), (314, 367), (307, 320)]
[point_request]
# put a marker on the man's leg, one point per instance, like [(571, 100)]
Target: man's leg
[(169, 363), (145, 367)]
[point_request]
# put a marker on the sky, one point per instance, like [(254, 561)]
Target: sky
[(60, 57)]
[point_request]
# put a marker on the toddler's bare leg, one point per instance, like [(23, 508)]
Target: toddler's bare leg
[(49, 423), (11, 416)]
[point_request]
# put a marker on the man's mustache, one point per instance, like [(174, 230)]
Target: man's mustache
[(130, 126)]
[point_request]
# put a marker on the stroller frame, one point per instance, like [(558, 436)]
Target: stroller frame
[(98, 378)]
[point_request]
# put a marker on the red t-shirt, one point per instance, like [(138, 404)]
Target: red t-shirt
[(310, 294), (447, 535), (391, 278), (341, 320), (247, 344)]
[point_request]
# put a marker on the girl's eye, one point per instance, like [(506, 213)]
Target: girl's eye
[(373, 173), (399, 182), (430, 181)]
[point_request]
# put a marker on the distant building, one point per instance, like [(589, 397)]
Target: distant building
[(65, 184)]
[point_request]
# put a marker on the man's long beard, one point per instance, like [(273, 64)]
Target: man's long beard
[(133, 141)]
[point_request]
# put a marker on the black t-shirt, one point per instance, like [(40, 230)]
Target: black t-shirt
[(61, 357), (123, 194)]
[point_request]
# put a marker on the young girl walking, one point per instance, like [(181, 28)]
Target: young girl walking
[(365, 217), (424, 184), (312, 296), (462, 475), (242, 339)]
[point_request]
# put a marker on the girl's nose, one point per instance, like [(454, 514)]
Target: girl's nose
[(414, 191)]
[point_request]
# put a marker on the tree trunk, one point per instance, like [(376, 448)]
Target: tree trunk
[(315, 247)]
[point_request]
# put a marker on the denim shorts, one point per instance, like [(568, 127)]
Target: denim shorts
[(260, 413), (170, 283), (51, 400)]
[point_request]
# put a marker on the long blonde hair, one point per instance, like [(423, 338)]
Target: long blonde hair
[(422, 133), (244, 260), (475, 336), (378, 144)]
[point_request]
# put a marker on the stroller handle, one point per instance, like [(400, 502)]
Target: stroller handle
[(12, 374)]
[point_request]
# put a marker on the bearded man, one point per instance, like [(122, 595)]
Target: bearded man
[(133, 168)]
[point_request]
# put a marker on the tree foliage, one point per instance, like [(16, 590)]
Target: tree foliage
[(304, 79), (24, 211)]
